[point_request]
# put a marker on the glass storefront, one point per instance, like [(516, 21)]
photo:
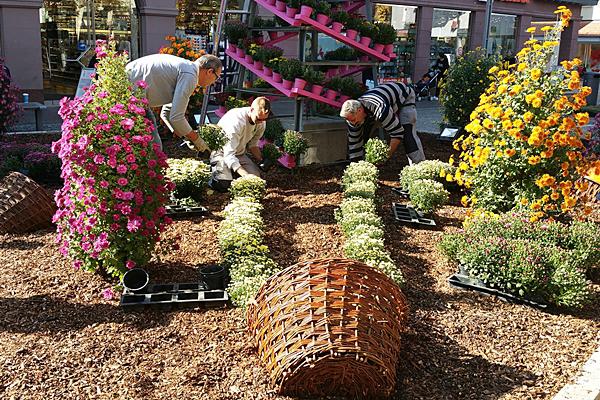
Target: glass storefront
[(449, 33), (404, 19), (69, 31), (501, 40)]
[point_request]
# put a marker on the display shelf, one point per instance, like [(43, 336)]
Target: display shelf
[(352, 6), (294, 92), (299, 19), (341, 37), (281, 38)]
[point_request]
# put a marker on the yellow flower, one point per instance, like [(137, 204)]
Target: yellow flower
[(533, 160), (546, 28), (535, 74), (524, 201), (531, 29), (510, 152), (493, 70), (528, 116), (536, 103)]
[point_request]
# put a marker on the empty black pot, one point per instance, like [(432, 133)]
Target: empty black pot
[(213, 276), (135, 279)]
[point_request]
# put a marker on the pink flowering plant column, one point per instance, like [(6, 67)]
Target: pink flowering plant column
[(111, 208)]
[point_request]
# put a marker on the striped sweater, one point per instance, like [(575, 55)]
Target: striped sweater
[(382, 104)]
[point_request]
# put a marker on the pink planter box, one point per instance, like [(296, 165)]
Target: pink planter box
[(287, 160)]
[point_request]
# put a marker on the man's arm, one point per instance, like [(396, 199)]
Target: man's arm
[(391, 124), (256, 153)]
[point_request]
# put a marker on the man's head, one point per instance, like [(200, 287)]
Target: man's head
[(353, 111), (259, 110), (210, 69)]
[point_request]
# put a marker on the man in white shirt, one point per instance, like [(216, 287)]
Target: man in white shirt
[(170, 81), (243, 127)]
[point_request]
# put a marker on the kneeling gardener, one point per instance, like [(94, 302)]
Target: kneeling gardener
[(243, 128)]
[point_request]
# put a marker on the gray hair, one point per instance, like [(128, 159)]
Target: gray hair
[(208, 61), (350, 107)]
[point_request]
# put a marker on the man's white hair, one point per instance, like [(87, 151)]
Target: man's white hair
[(350, 107)]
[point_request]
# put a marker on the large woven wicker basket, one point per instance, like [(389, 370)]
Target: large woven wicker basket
[(24, 205), (330, 327)]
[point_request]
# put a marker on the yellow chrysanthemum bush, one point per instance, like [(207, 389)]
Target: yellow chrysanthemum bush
[(524, 149)]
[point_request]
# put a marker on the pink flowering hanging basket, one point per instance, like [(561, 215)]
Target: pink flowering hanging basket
[(24, 205)]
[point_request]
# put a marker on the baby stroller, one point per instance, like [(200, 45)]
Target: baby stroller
[(427, 83)]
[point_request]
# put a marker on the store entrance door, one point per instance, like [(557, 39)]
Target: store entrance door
[(69, 32)]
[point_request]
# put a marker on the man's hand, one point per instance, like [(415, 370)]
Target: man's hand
[(200, 145), (242, 172), (394, 143), (197, 141)]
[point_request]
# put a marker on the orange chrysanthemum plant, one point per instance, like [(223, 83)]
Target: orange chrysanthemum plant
[(524, 149), (183, 48)]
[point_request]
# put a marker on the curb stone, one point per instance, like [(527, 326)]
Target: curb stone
[(587, 383)]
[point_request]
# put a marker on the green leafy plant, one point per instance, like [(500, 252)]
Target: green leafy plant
[(350, 87), (271, 152), (34, 159), (386, 33), (248, 186), (190, 177), (266, 53), (274, 131), (294, 143), (427, 195), (355, 22), (313, 76), (340, 16), (464, 83), (321, 7), (261, 84), (213, 136), (376, 151), (233, 102), (342, 53), (364, 189), (368, 29), (291, 69), (235, 31), (542, 260)]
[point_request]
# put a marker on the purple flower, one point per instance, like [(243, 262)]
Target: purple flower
[(142, 84), (122, 181), (128, 124), (108, 294), (130, 264)]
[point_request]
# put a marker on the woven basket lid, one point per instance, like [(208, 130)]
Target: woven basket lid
[(24, 205), (330, 327)]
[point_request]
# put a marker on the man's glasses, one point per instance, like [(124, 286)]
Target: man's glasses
[(217, 77)]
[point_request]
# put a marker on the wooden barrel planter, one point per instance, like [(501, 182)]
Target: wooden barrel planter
[(24, 205), (330, 327)]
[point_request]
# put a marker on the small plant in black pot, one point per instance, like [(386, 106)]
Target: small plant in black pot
[(270, 154)]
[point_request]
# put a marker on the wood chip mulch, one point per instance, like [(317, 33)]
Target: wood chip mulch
[(60, 339)]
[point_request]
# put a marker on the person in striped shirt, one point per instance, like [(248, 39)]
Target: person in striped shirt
[(390, 106)]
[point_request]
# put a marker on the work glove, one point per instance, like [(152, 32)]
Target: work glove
[(196, 141)]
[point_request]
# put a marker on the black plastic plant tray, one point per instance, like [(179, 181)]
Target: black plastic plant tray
[(175, 298), (170, 288), (175, 211), (466, 282), (401, 192), (408, 214)]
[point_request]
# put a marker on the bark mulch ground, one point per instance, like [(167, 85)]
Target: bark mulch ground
[(60, 339)]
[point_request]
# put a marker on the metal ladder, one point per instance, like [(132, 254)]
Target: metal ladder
[(247, 12)]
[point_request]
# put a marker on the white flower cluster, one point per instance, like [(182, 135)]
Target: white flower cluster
[(424, 184), (376, 151), (248, 186), (240, 237), (360, 223), (190, 177)]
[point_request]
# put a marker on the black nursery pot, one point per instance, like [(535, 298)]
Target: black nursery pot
[(266, 165), (135, 279), (213, 276)]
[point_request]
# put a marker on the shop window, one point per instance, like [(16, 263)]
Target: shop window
[(449, 33), (404, 19), (69, 31), (501, 39)]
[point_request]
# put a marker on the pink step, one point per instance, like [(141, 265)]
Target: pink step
[(294, 92), (281, 38), (280, 14), (351, 6)]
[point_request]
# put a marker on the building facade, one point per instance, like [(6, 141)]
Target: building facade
[(45, 43)]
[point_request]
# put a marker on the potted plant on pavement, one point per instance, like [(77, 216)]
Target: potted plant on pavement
[(294, 146)]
